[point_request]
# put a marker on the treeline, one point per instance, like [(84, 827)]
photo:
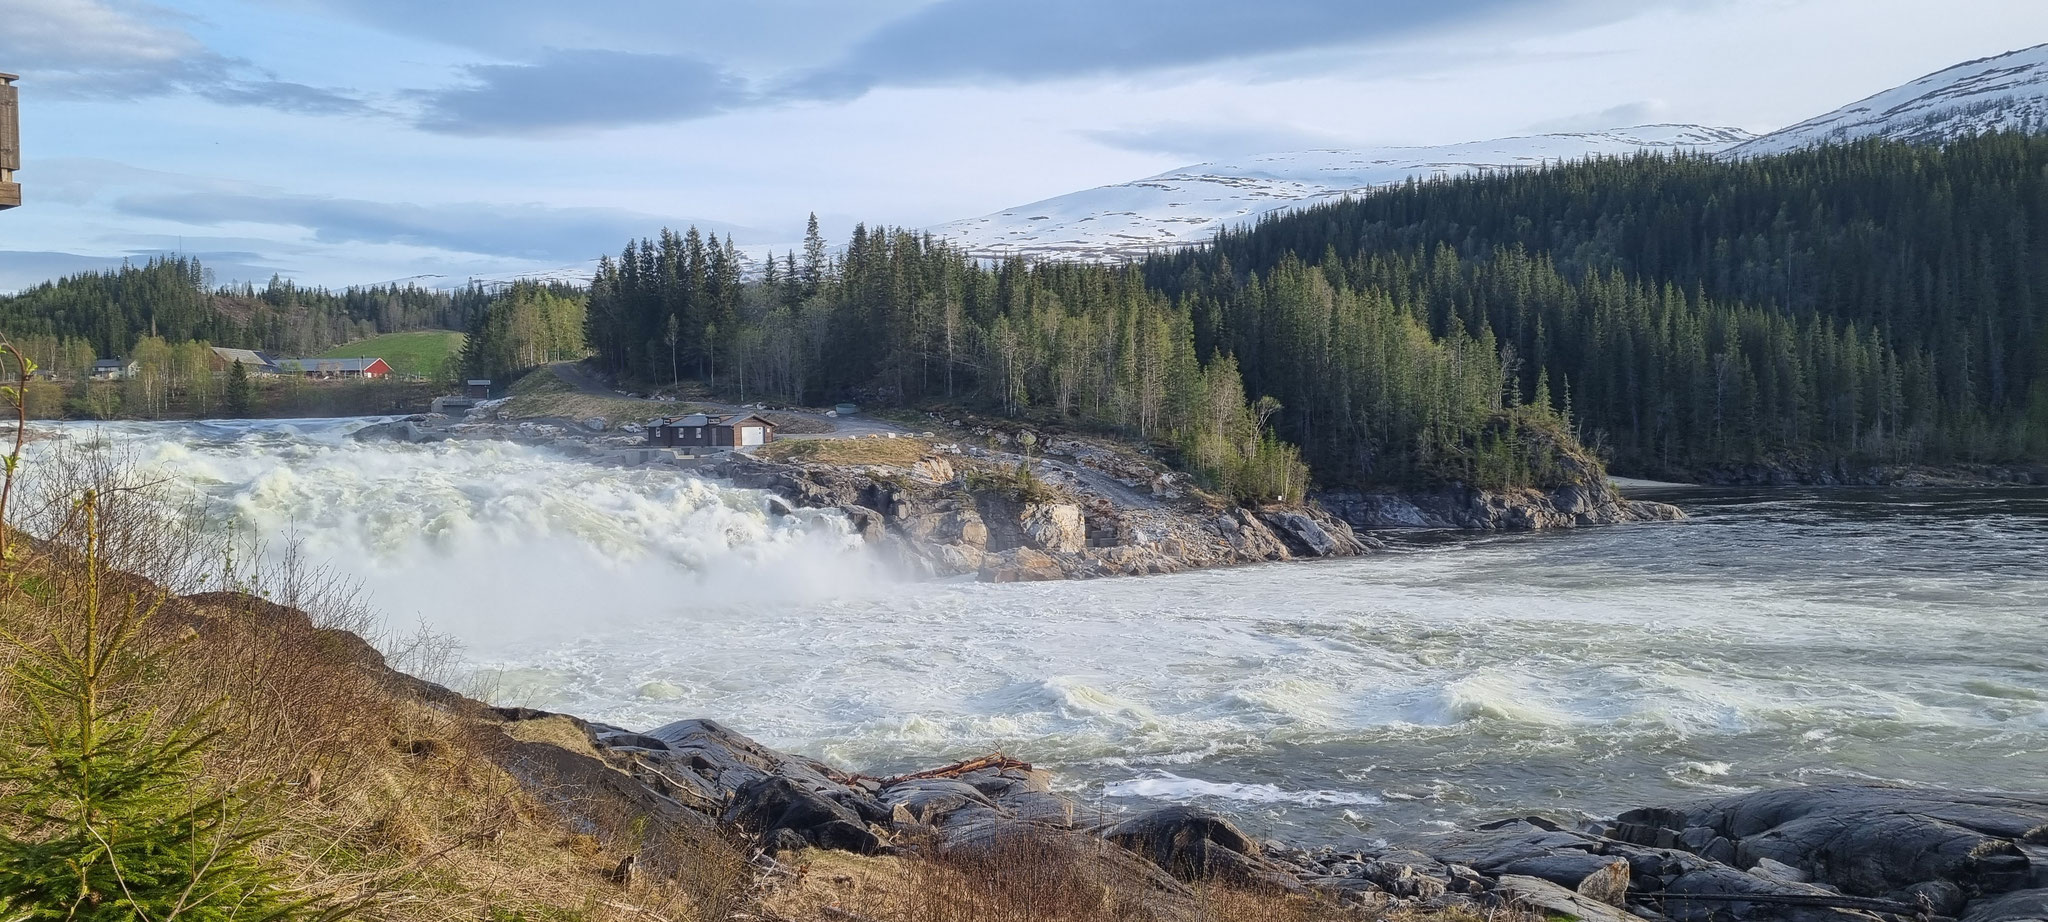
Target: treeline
[(171, 298), (527, 325), (898, 317), (1872, 302)]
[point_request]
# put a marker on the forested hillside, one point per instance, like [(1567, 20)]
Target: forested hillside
[(901, 318), (1872, 303), (1876, 302), (67, 323)]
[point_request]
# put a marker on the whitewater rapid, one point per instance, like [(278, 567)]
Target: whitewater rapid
[(1774, 638)]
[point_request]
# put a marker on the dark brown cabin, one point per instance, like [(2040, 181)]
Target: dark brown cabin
[(705, 432)]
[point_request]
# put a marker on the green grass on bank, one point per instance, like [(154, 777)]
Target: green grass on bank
[(425, 352)]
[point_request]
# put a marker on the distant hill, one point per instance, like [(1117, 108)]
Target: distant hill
[(1189, 205), (2008, 92), (427, 353)]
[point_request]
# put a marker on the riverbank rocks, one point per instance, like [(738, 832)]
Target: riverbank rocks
[(1904, 845), (1082, 528), (1573, 506), (1305, 537), (1055, 527), (1194, 844), (1820, 854), (1021, 565)]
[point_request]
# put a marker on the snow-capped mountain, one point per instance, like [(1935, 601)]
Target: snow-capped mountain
[(2007, 92), (1189, 205)]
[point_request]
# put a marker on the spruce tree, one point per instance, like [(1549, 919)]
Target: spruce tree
[(110, 817), (239, 394)]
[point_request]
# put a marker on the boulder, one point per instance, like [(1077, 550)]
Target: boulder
[(1248, 537), (1300, 533), (2017, 906), (866, 522), (1020, 565), (1866, 840), (933, 468), (1195, 844), (1055, 527), (1551, 899), (784, 816)]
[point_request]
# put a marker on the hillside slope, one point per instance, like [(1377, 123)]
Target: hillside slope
[(1189, 205), (2008, 92)]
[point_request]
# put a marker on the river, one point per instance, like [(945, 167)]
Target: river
[(1776, 637)]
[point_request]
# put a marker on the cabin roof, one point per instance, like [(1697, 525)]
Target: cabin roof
[(355, 365), (704, 419), (245, 357)]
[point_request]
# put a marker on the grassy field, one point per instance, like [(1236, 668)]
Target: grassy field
[(886, 452), (425, 352)]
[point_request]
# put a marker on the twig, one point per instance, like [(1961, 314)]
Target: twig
[(994, 760)]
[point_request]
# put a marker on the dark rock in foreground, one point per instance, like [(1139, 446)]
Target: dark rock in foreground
[(1821, 854)]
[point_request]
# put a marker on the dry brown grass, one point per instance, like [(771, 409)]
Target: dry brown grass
[(881, 452), (1053, 878), (544, 395)]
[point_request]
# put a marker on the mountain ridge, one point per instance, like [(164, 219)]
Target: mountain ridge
[(1190, 204), (2002, 92), (1187, 206)]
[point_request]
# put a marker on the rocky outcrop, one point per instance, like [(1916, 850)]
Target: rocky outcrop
[(1596, 503), (1901, 845), (1819, 854), (1842, 473), (972, 523)]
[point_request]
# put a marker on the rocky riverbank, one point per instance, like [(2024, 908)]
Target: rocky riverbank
[(1846, 474), (1014, 505), (1857, 853), (952, 512)]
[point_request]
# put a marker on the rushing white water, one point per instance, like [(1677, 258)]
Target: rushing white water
[(1774, 638)]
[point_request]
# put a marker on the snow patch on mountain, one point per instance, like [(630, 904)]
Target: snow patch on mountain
[(2004, 93), (1189, 205)]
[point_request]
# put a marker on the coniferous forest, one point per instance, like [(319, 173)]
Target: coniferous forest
[(1876, 302), (1872, 303), (1867, 304)]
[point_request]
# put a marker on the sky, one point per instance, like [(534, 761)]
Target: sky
[(343, 142)]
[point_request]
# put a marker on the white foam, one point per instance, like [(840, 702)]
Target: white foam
[(1168, 786)]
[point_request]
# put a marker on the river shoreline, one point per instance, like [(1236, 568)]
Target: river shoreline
[(1505, 688)]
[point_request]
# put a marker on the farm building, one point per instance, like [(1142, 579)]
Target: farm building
[(338, 368), (255, 363), (479, 388), (115, 369), (706, 432)]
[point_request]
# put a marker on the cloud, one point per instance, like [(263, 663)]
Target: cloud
[(580, 88), (1004, 40), (1200, 141), (98, 49), (535, 232), (768, 35), (283, 96), (1626, 115)]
